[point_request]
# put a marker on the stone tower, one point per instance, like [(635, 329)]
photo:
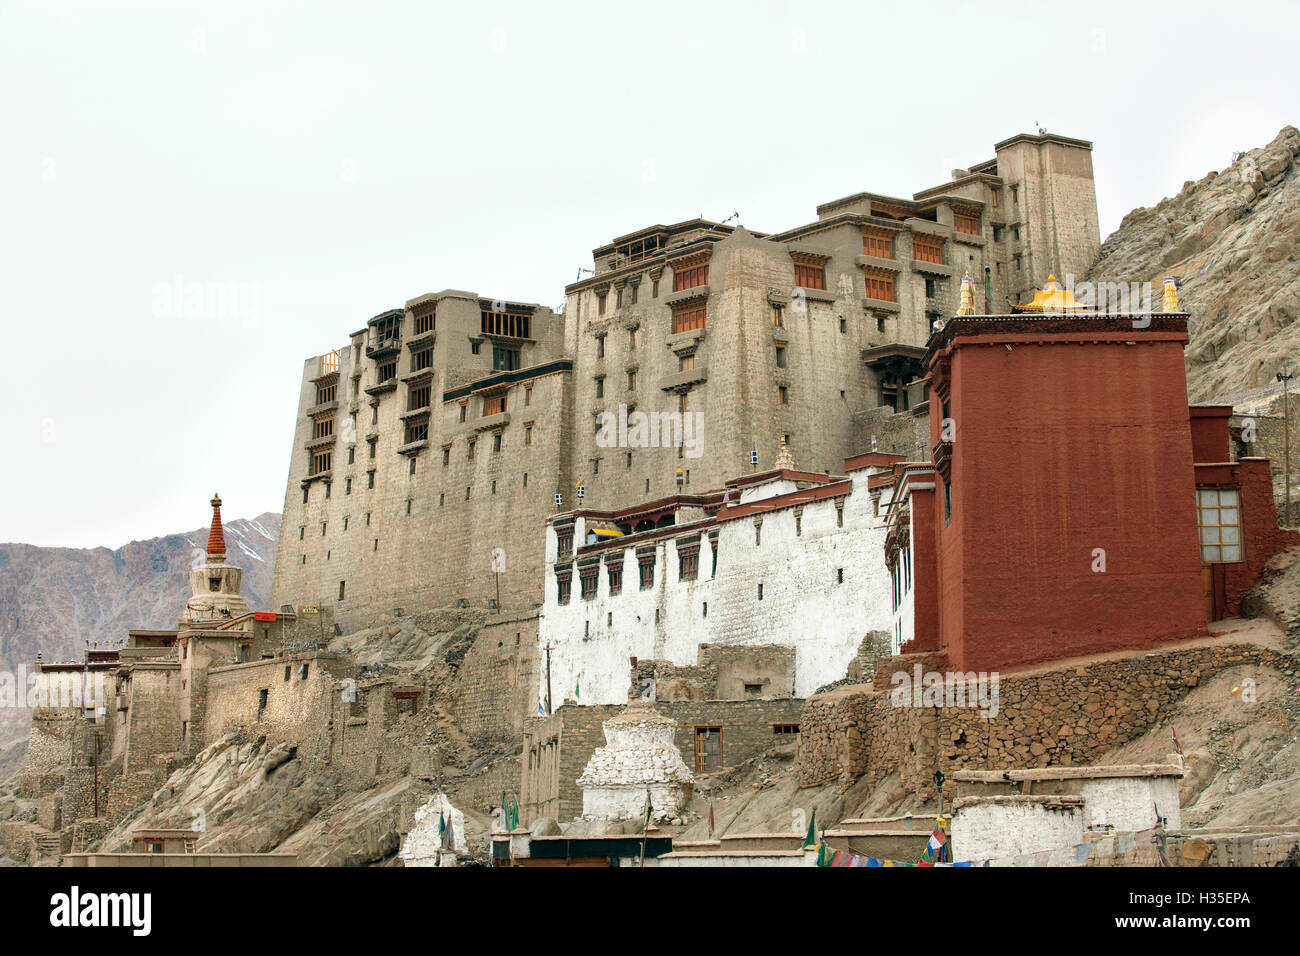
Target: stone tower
[(214, 585)]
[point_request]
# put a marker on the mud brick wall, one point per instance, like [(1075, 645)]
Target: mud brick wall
[(496, 683), (1057, 718), (297, 710)]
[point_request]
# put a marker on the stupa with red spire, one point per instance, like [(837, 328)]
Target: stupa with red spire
[(214, 584)]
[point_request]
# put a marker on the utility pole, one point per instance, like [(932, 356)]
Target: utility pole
[(1285, 377), (548, 678)]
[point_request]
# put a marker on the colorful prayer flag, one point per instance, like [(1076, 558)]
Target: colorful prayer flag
[(934, 849), (811, 837)]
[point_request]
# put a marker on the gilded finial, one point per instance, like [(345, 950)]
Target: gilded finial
[(967, 306), (1170, 303), (784, 460)]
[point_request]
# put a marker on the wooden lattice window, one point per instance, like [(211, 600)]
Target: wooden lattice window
[(1219, 518), (420, 397), (422, 359), (688, 567), (970, 225), (690, 319), (880, 286), (646, 563), (494, 404), (690, 278), (615, 577), (322, 427), (588, 576), (387, 371), (321, 462), (425, 323), (417, 431), (564, 540), (783, 729), (810, 277), (878, 244), (927, 249), (325, 393), (563, 585)]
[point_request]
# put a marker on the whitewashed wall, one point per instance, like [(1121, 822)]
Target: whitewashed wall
[(803, 603), (1131, 803), (987, 831)]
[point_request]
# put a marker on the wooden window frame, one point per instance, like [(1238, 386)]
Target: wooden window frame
[(878, 244), (690, 318), (926, 248), (691, 277), (1210, 503), (808, 276)]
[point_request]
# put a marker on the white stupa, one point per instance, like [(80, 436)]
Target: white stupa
[(639, 755)]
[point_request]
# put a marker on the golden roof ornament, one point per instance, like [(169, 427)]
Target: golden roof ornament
[(784, 460), (1170, 293), (1053, 299), (967, 306)]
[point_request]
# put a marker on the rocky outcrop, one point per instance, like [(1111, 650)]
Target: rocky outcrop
[(1232, 239)]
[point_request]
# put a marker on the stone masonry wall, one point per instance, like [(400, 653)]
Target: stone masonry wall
[(1058, 718), (296, 708)]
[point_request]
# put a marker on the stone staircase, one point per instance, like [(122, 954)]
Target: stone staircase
[(49, 849)]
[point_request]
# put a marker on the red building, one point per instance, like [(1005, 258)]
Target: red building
[(1074, 504)]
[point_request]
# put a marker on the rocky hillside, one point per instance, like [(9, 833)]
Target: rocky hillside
[(53, 600), (1232, 239)]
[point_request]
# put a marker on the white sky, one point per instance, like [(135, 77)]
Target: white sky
[(311, 165)]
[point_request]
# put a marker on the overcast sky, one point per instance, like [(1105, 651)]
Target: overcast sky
[(306, 166)]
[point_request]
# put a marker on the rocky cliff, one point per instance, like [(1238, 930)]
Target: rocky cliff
[(53, 600), (1232, 239)]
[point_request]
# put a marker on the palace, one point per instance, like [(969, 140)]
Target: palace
[(432, 447)]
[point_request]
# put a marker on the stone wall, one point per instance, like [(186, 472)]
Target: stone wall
[(497, 679), (155, 719), (1055, 718), (896, 433), (50, 747), (297, 707)]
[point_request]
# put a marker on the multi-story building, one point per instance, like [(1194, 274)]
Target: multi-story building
[(755, 565), (430, 451)]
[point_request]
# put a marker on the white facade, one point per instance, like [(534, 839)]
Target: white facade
[(1132, 803), (988, 828), (824, 586)]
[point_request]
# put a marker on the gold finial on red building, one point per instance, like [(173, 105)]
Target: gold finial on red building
[(1170, 295), (217, 536)]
